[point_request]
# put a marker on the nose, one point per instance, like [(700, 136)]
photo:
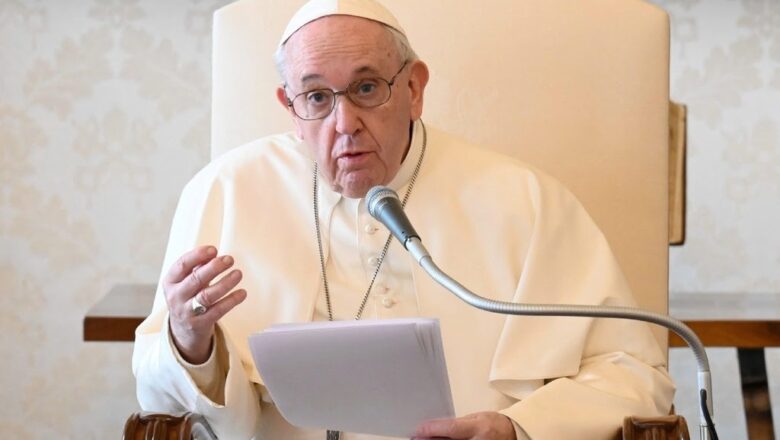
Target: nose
[(347, 116)]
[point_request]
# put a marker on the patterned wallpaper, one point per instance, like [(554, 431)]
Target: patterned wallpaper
[(104, 114), (726, 67)]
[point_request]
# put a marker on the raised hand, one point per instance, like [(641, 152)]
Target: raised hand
[(189, 283)]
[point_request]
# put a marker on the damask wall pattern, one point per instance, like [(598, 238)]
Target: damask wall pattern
[(726, 67), (104, 115)]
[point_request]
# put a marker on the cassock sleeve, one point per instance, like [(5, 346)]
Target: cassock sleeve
[(593, 403), (575, 378), (162, 383), (209, 376)]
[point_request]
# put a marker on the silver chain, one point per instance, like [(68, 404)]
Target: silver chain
[(387, 242), (334, 435)]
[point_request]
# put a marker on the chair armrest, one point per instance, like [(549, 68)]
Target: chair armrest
[(156, 426), (184, 426), (655, 428)]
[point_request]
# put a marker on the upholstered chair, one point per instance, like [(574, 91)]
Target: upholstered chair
[(578, 89)]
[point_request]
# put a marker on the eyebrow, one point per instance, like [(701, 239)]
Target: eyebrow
[(363, 69)]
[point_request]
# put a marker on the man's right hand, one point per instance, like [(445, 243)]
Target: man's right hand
[(189, 277)]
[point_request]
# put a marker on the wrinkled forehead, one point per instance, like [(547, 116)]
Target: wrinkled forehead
[(340, 45)]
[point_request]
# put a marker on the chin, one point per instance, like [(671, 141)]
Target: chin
[(355, 193), (355, 185)]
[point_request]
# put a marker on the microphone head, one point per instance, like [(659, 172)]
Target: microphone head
[(375, 195), (383, 204)]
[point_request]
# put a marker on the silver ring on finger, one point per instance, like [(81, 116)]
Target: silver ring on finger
[(197, 307)]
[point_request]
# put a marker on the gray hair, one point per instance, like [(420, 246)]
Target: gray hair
[(403, 48)]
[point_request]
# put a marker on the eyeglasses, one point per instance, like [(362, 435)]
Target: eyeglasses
[(365, 93)]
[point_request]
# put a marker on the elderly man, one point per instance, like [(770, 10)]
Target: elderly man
[(284, 217)]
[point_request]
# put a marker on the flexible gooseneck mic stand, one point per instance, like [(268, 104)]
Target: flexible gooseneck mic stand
[(383, 204)]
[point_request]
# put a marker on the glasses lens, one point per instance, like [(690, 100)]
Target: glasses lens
[(315, 104), (369, 92)]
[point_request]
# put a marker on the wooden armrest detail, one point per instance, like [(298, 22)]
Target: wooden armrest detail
[(156, 426), (186, 426), (655, 428)]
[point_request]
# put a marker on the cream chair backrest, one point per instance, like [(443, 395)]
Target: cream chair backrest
[(576, 88)]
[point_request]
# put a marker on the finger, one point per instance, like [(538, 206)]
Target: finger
[(184, 265), (212, 294), (218, 310), (202, 276), (459, 428)]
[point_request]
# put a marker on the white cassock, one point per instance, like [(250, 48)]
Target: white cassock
[(504, 230)]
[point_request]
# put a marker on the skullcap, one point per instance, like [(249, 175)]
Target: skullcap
[(316, 9)]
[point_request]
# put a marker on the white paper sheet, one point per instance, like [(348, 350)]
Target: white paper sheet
[(380, 377)]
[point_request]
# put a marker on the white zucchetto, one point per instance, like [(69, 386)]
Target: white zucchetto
[(316, 9)]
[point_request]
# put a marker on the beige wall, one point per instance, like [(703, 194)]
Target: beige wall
[(104, 115), (726, 68)]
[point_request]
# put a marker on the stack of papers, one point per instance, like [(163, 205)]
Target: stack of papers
[(380, 377)]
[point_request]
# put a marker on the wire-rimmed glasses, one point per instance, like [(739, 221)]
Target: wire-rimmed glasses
[(365, 93)]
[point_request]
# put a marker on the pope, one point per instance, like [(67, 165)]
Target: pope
[(277, 231)]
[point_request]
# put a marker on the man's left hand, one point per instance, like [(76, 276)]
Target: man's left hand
[(477, 426)]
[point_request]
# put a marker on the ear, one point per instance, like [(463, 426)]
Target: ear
[(418, 79), (281, 96)]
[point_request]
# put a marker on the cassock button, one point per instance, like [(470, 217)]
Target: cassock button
[(370, 229), (373, 261), (388, 302)]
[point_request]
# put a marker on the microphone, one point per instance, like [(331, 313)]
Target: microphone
[(383, 204)]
